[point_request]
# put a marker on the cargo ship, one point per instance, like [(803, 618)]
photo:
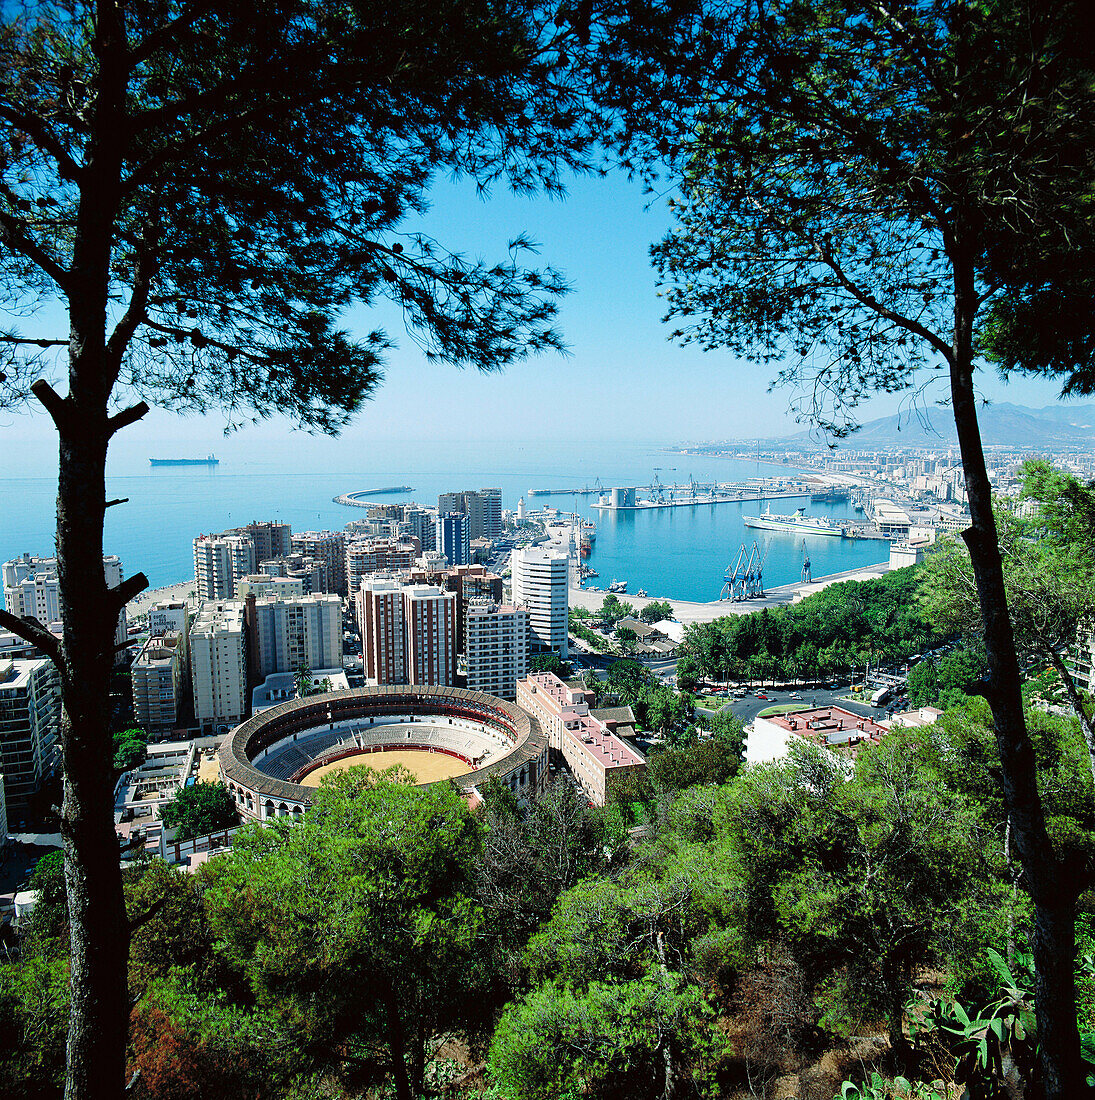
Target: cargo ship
[(209, 460), (798, 524)]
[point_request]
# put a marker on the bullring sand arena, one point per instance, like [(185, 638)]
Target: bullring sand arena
[(426, 767)]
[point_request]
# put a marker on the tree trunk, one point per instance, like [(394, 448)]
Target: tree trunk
[(397, 1046), (99, 933), (99, 1016), (1051, 891)]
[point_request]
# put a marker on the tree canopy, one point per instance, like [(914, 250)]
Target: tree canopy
[(382, 873), (1049, 569), (830, 633), (198, 809), (865, 192), (208, 192)]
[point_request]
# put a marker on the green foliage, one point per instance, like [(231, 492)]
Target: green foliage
[(551, 662), (360, 929), (590, 637), (829, 633), (923, 684), (614, 1009), (198, 809), (1004, 1031), (838, 147), (656, 610), (48, 923), (528, 862), (499, 802), (165, 906), (696, 762), (34, 1001), (900, 1088), (1049, 571), (603, 1040), (863, 877), (130, 749), (626, 636), (688, 673), (613, 609)]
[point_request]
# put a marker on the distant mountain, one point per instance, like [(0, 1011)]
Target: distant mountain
[(1056, 427)]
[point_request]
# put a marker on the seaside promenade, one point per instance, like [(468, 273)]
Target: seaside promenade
[(687, 611)]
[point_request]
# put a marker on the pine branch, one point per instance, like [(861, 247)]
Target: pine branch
[(31, 630)]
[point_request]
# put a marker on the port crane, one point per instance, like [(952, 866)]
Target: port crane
[(754, 573), (806, 576), (657, 490), (745, 581), (735, 579)]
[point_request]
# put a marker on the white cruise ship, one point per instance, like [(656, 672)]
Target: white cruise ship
[(798, 524)]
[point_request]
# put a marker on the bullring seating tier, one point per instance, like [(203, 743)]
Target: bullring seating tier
[(281, 761)]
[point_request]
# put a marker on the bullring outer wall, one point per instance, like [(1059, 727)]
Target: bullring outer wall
[(523, 767)]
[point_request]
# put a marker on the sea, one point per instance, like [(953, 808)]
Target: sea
[(680, 553)]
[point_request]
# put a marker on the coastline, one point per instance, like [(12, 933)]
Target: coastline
[(140, 603), (691, 611)]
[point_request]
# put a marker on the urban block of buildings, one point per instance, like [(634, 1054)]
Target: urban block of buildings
[(595, 755)]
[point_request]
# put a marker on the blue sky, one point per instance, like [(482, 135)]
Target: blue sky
[(621, 380)]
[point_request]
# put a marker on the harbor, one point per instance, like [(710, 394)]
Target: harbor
[(627, 501)]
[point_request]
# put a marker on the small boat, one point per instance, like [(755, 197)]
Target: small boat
[(618, 586)]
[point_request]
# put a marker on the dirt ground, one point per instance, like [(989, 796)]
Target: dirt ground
[(426, 766)]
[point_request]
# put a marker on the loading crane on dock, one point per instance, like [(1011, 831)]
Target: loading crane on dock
[(657, 490), (735, 579), (806, 576), (754, 574)]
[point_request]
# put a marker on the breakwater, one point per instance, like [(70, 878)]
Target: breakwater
[(357, 499)]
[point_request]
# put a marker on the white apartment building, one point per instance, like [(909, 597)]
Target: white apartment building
[(286, 635), (218, 669), (219, 563), (31, 587), (262, 584), (540, 579), (379, 610), (30, 721), (309, 571), (492, 512), (496, 644), (429, 618), (159, 674), (171, 617)]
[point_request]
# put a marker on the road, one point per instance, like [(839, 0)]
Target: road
[(749, 706)]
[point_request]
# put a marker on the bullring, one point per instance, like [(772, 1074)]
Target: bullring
[(266, 760)]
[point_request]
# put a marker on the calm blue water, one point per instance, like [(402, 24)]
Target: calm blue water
[(678, 552)]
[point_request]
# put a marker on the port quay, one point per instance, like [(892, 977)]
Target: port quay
[(623, 498)]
